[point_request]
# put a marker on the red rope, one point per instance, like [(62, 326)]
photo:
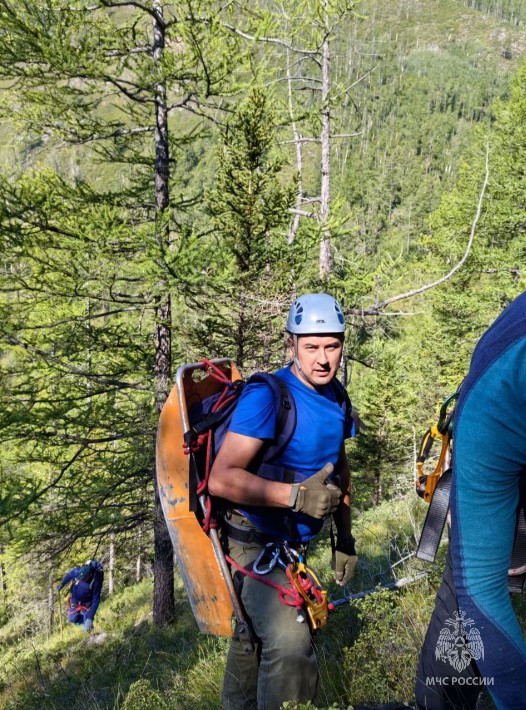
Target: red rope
[(225, 398), (215, 371), (290, 597)]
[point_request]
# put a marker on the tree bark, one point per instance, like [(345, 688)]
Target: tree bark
[(50, 603), (3, 582), (325, 244), (111, 565), (138, 562), (163, 565)]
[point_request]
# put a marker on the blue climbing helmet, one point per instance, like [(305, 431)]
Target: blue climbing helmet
[(94, 566), (315, 314)]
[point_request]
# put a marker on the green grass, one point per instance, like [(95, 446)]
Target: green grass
[(128, 664), (70, 669), (367, 653)]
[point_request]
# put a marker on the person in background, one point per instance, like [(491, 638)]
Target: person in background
[(84, 593)]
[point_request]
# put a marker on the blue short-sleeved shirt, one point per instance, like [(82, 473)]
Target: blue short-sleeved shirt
[(321, 428)]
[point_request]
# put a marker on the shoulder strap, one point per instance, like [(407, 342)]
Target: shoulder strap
[(435, 519), (343, 399), (517, 583), (285, 412)]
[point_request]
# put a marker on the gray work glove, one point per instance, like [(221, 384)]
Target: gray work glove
[(88, 625), (344, 559), (313, 496)]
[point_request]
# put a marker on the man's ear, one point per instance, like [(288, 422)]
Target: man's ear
[(290, 345)]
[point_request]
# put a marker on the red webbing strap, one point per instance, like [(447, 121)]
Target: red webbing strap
[(75, 609), (215, 371), (290, 597)]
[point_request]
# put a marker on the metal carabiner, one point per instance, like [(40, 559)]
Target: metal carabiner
[(274, 556), (292, 555)]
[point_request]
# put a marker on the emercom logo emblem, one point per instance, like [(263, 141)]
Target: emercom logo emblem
[(459, 644)]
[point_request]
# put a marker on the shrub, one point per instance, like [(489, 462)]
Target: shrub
[(141, 696)]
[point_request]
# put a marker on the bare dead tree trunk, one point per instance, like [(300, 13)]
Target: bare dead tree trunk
[(240, 336), (377, 488), (299, 158), (163, 566), (3, 579), (138, 562), (325, 196), (111, 564), (50, 603)]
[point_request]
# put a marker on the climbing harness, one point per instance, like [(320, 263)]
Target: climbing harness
[(305, 592), (75, 608), (435, 489)]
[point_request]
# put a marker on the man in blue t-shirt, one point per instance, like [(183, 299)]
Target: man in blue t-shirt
[(474, 639), (308, 482), (84, 593)]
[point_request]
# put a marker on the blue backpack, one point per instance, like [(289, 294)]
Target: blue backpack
[(210, 418)]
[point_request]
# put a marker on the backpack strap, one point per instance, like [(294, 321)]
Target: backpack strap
[(226, 403), (516, 583), (344, 401), (286, 414), (436, 519)]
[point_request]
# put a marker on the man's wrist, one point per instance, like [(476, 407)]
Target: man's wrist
[(293, 497), (346, 543)]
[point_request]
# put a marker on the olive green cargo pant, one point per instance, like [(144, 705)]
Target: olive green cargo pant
[(283, 666)]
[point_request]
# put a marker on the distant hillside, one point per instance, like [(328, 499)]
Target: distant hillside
[(431, 72)]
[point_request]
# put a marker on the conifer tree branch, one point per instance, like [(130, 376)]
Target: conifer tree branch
[(12, 340), (133, 3), (75, 139)]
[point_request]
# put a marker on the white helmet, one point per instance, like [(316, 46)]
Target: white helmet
[(315, 314)]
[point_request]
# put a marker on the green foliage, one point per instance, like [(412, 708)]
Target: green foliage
[(512, 10), (247, 269), (141, 696), (381, 665), (384, 450)]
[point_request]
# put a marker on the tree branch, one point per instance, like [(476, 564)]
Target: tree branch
[(118, 133), (48, 357), (376, 310)]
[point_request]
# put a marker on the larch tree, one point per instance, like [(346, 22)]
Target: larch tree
[(107, 93)]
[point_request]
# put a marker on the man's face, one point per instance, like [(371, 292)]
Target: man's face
[(319, 357)]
